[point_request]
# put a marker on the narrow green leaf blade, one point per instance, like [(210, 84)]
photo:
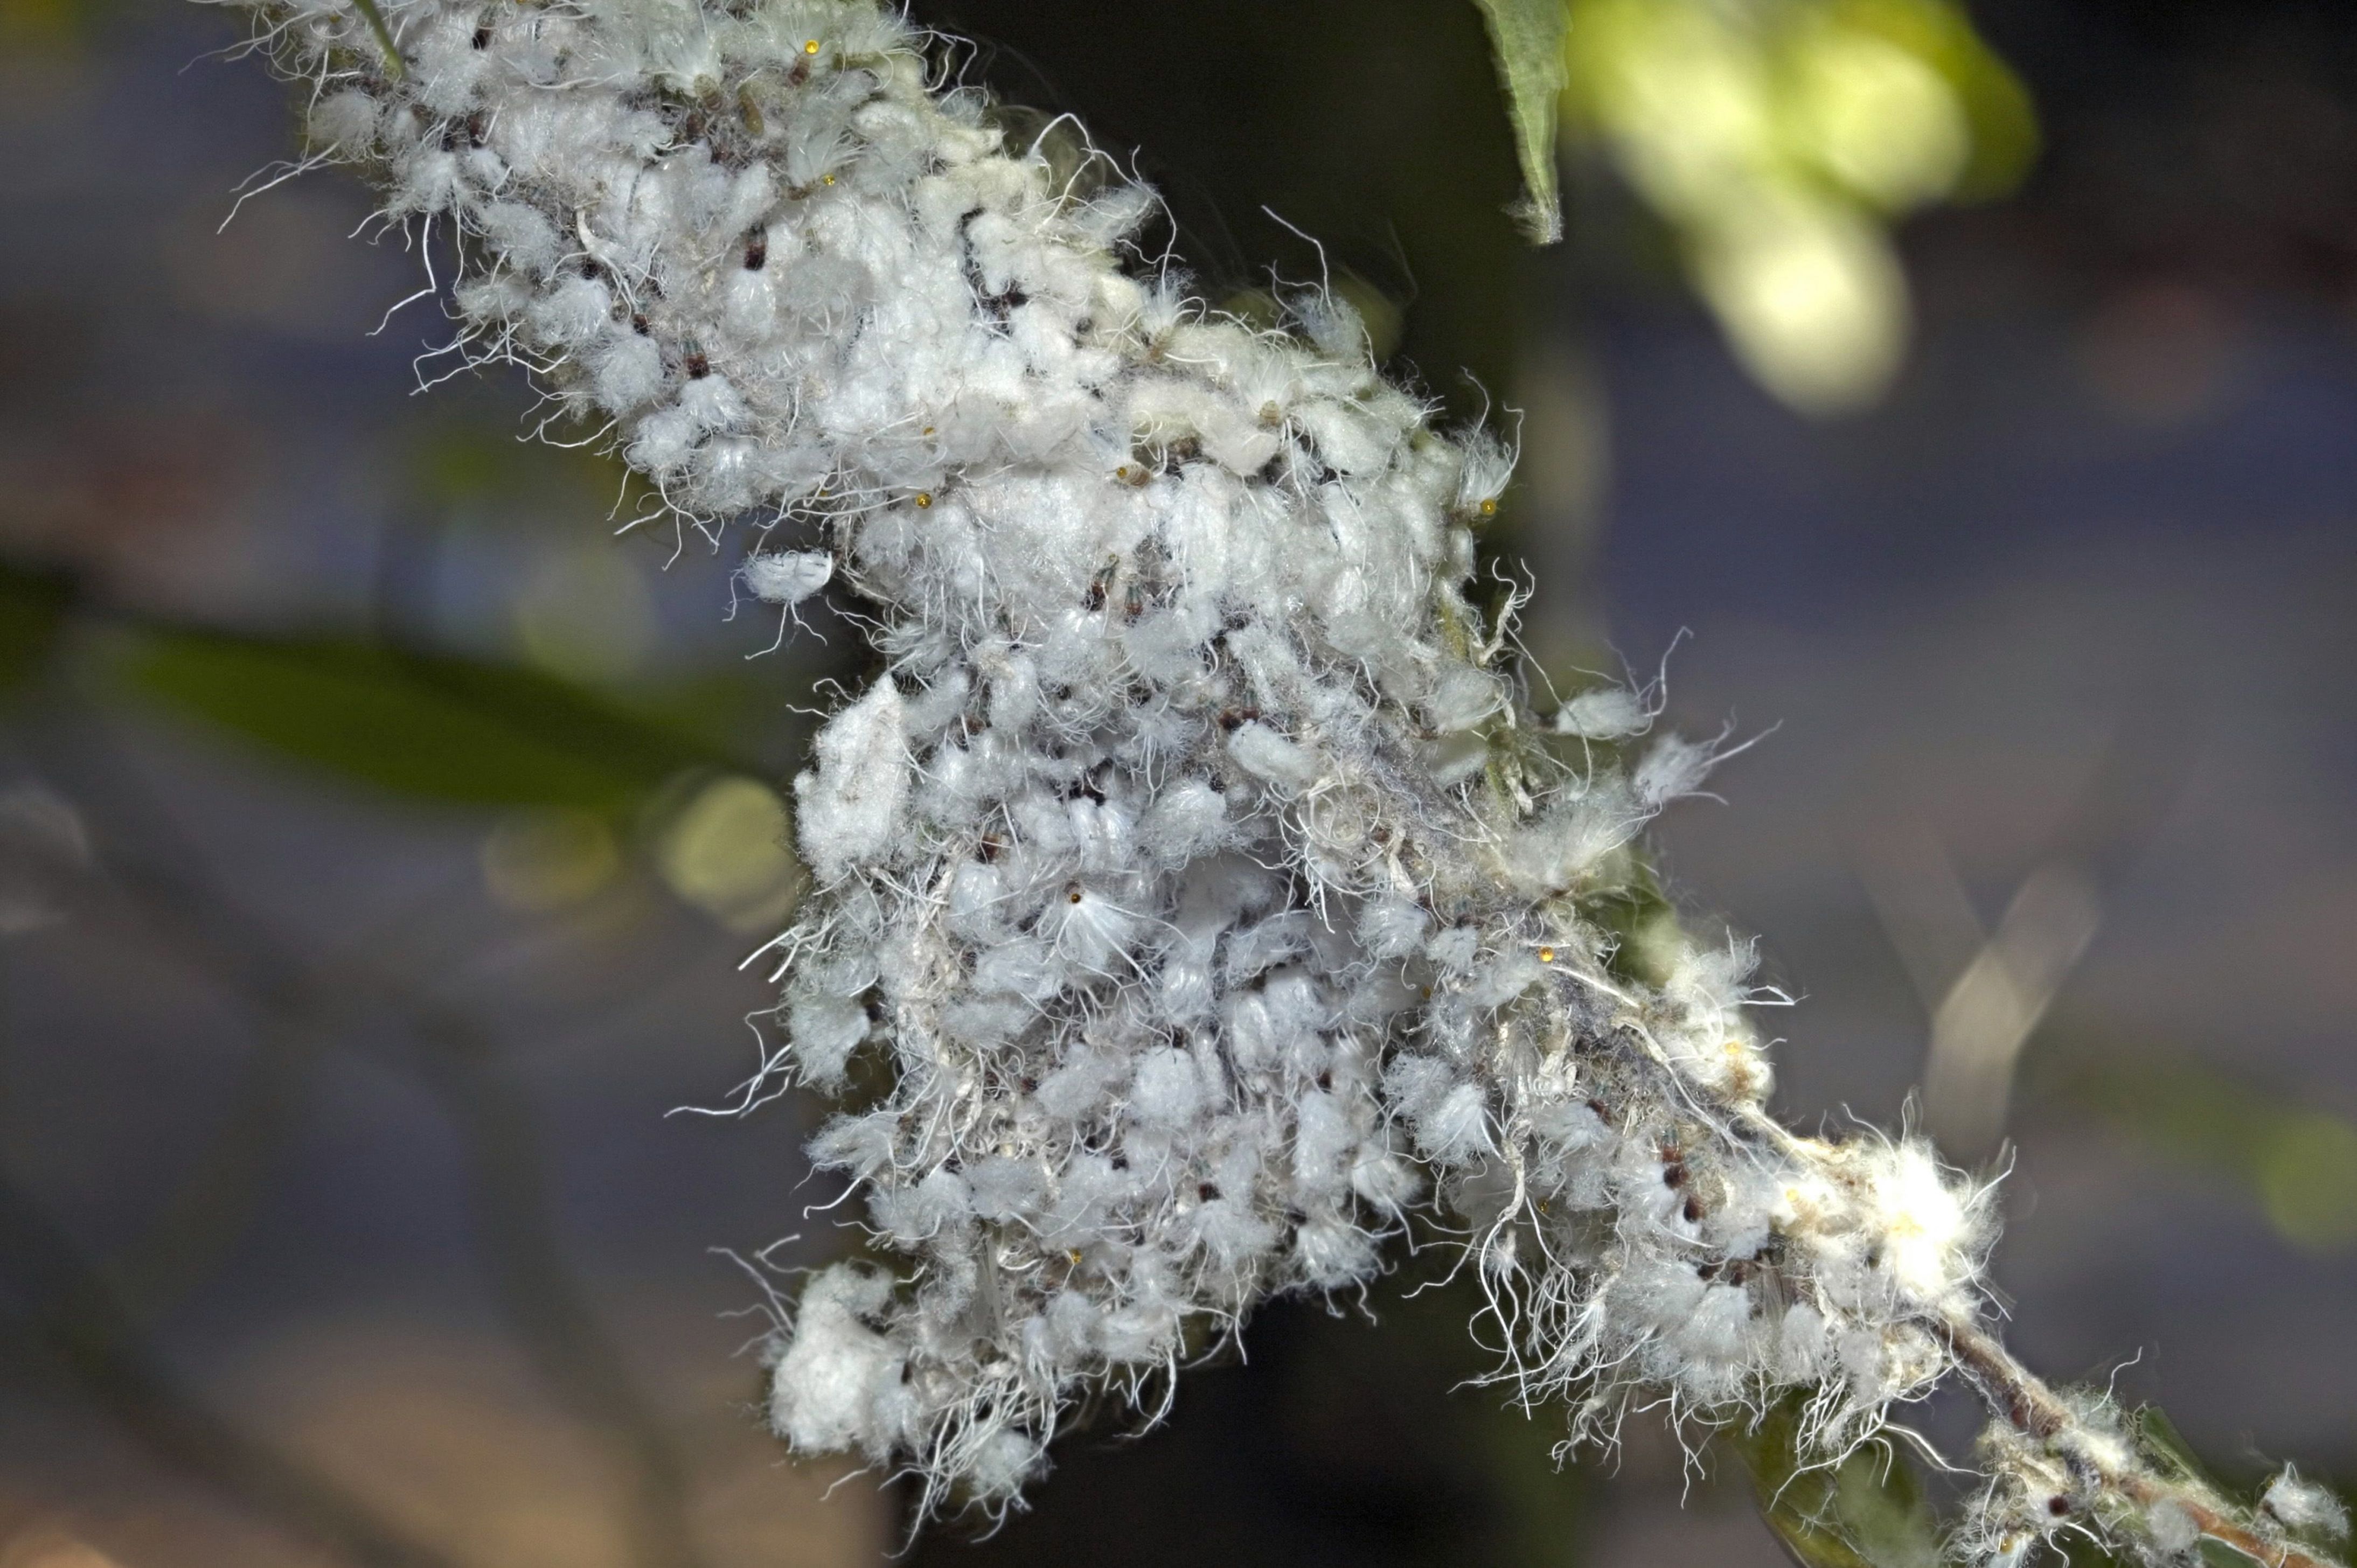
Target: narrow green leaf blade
[(33, 610), (437, 727), (1526, 41)]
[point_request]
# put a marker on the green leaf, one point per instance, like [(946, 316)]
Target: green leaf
[(1866, 1512), (1526, 41), (399, 66), (2299, 1163), (432, 727), (469, 471), (1997, 108), (33, 608), (2165, 1448)]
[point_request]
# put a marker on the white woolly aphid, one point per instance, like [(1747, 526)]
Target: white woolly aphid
[(2305, 1506), (1194, 869)]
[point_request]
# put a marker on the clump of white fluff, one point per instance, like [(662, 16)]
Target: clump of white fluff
[(1194, 872), (2305, 1506)]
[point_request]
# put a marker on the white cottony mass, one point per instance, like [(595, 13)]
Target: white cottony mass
[(1193, 872), (850, 808)]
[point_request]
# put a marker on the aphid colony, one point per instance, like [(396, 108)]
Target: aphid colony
[(1194, 881), (1191, 862)]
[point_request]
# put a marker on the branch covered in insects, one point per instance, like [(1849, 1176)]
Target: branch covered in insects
[(1203, 893)]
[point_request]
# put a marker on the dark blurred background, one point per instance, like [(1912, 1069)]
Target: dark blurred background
[(379, 838)]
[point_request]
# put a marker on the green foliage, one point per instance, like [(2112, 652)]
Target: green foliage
[(2300, 1162), (33, 610), (1777, 140), (2165, 1448), (33, 28), (2000, 122), (399, 66), (430, 727), (463, 467), (1526, 37), (1867, 1512)]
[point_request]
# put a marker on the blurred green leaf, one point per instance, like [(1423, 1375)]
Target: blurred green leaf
[(1526, 40), (433, 727), (1781, 141), (464, 468), (735, 711), (33, 607), (1998, 114), (1867, 1512), (2299, 1161), (449, 465), (36, 28), (2307, 1180)]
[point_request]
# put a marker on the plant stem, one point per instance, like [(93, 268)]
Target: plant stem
[(2021, 1398)]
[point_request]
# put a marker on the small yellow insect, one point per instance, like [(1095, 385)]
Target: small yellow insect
[(1489, 509), (826, 179), (811, 47), (1546, 955), (924, 498), (929, 430)]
